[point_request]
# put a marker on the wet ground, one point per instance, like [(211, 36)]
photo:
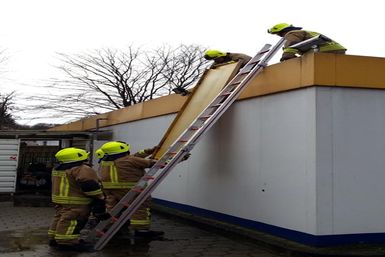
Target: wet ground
[(23, 232)]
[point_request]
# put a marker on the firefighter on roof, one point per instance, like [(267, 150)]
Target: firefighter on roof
[(220, 58), (294, 35)]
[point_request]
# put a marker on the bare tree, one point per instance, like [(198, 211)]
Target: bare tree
[(107, 79), (6, 105), (7, 121)]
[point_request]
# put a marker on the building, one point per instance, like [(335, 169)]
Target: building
[(298, 156)]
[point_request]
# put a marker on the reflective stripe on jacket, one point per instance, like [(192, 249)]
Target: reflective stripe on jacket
[(123, 172), (66, 187), (296, 36)]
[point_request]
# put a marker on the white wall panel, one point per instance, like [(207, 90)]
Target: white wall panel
[(358, 163)]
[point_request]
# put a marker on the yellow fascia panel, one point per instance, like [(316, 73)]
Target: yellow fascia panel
[(160, 106), (324, 69), (277, 78), (349, 71), (360, 71)]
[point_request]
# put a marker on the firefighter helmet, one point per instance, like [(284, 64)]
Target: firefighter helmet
[(115, 147), (99, 153), (212, 54), (71, 154), (279, 27)]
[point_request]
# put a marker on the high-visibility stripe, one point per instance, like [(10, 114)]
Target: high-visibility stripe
[(113, 174), (95, 192), (64, 182), (70, 199), (51, 232), (139, 222), (61, 187), (56, 173), (107, 163), (71, 228), (62, 197), (66, 237), (67, 186), (114, 185), (290, 50)]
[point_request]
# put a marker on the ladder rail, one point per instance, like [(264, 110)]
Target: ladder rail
[(181, 151)]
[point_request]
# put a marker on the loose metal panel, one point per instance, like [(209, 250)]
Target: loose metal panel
[(9, 150)]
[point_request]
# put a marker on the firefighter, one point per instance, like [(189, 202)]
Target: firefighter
[(220, 58), (75, 192), (120, 172), (294, 35)]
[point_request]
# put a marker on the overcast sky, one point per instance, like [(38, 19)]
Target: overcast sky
[(32, 31)]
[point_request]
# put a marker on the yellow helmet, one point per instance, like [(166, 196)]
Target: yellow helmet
[(71, 154), (99, 153), (212, 54), (115, 147), (278, 28)]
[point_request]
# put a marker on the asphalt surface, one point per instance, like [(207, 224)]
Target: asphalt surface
[(23, 232)]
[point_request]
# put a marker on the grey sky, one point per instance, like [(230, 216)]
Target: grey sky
[(33, 30)]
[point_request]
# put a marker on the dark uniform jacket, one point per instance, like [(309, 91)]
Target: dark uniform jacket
[(232, 57), (296, 36), (123, 172), (75, 185)]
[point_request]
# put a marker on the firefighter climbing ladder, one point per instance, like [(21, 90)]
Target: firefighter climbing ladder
[(122, 212)]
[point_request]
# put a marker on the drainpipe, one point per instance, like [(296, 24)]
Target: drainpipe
[(97, 126)]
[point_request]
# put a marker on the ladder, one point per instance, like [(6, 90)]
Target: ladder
[(126, 207), (313, 43)]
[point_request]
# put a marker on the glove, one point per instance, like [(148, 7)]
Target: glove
[(155, 148), (102, 216), (186, 157), (98, 208)]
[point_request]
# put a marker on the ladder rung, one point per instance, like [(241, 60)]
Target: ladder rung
[(137, 189), (125, 204), (204, 117), (114, 218), (226, 94), (235, 83), (183, 141), (145, 177), (99, 232), (243, 72), (215, 105), (194, 128), (253, 62)]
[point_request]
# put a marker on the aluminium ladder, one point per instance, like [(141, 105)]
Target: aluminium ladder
[(123, 210), (313, 43)]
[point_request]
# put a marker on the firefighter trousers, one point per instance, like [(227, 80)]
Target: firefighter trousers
[(67, 223), (141, 219)]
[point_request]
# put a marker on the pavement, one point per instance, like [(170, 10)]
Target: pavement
[(23, 232)]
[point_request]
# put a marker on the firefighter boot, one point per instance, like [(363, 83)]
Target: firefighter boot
[(52, 243), (79, 247), (149, 234)]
